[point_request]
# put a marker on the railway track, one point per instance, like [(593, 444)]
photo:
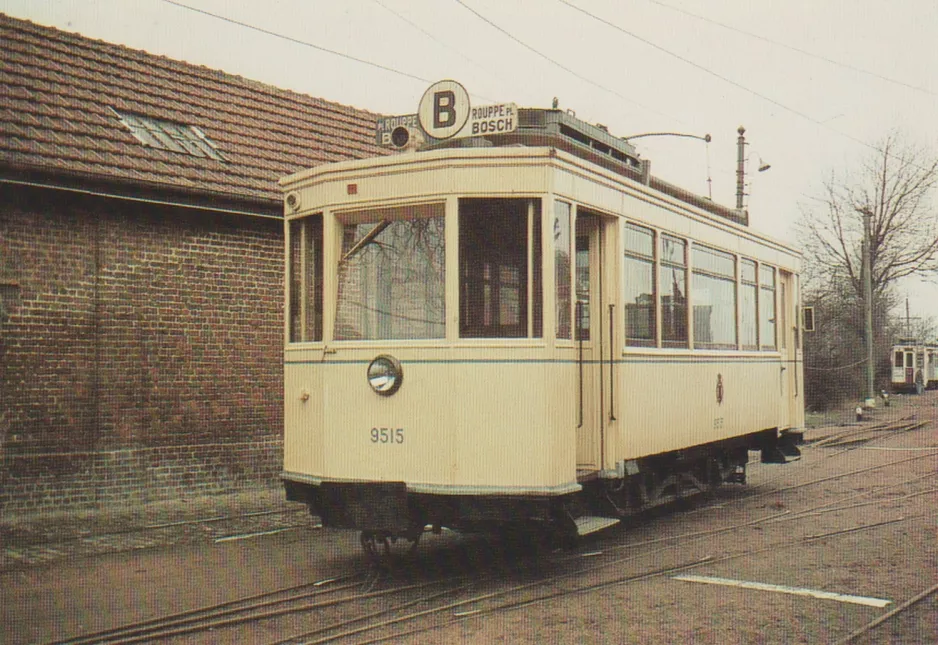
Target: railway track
[(32, 547), (446, 600), (870, 630), (304, 598), (526, 595), (449, 595), (461, 610)]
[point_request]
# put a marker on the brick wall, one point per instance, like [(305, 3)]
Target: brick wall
[(140, 350)]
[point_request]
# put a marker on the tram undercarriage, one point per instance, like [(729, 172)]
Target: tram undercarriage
[(386, 512)]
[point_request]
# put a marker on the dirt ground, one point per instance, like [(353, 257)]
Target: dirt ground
[(63, 575)]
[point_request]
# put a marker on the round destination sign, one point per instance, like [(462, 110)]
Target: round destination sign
[(444, 109)]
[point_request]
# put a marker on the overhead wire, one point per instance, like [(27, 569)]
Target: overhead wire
[(584, 78), (736, 84), (297, 41), (561, 65), (511, 36), (688, 61), (804, 52), (432, 37)]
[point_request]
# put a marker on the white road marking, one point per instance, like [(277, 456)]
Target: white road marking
[(796, 591), (924, 448), (251, 535)]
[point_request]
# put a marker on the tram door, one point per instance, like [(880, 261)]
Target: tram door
[(593, 237), (788, 345)]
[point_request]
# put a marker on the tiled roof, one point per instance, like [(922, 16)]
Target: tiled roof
[(58, 92)]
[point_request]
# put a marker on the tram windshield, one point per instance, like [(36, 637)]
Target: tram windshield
[(391, 274)]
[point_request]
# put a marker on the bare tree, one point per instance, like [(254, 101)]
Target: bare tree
[(893, 187), (920, 329)]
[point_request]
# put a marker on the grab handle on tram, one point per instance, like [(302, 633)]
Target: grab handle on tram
[(579, 335), (612, 364)]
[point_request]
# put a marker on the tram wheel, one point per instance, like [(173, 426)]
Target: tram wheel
[(374, 542)]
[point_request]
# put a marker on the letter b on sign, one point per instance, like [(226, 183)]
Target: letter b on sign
[(443, 113), (444, 109)]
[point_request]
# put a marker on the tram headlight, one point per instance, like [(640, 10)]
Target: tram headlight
[(400, 136), (385, 375)]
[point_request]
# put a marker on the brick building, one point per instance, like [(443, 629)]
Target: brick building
[(141, 272)]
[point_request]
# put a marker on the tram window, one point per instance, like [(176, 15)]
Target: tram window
[(391, 274), (493, 268), (305, 279), (562, 268), (749, 313), (537, 262), (898, 359), (582, 282), (639, 286), (673, 281), (767, 307), (783, 317), (714, 298)]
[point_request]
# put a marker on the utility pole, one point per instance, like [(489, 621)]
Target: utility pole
[(908, 320), (740, 167), (868, 305)]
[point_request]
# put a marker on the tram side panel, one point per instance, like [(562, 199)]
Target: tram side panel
[(669, 405)]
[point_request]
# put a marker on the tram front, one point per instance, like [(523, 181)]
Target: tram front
[(419, 388)]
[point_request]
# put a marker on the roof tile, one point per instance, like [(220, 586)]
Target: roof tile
[(58, 92)]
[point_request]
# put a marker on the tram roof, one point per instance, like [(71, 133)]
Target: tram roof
[(518, 155), (554, 129)]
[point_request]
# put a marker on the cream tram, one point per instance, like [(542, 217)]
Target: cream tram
[(526, 329), (914, 366)]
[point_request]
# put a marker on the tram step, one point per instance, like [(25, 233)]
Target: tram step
[(590, 524), (780, 454)]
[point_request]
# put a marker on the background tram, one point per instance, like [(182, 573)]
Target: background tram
[(914, 366), (539, 334)]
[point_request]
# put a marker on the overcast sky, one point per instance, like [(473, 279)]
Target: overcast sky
[(817, 85)]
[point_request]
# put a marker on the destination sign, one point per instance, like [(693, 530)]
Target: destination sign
[(387, 124), (445, 112), (491, 119)]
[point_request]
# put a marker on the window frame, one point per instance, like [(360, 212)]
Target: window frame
[(299, 244), (773, 298), (652, 260), (563, 279), (385, 213), (714, 274), (685, 270), (532, 287), (752, 283), (167, 135)]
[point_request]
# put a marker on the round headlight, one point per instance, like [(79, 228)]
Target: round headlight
[(385, 375)]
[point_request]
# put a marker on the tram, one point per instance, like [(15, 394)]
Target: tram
[(914, 366), (526, 329)]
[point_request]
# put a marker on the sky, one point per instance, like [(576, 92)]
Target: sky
[(817, 85)]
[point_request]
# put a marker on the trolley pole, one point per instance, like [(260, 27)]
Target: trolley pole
[(868, 306)]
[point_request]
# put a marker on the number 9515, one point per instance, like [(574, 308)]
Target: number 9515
[(387, 435)]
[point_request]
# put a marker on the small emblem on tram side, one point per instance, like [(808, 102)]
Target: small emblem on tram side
[(719, 389)]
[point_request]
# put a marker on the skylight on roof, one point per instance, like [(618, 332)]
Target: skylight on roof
[(168, 135)]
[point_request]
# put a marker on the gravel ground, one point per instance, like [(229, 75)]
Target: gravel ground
[(66, 574), (47, 538)]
